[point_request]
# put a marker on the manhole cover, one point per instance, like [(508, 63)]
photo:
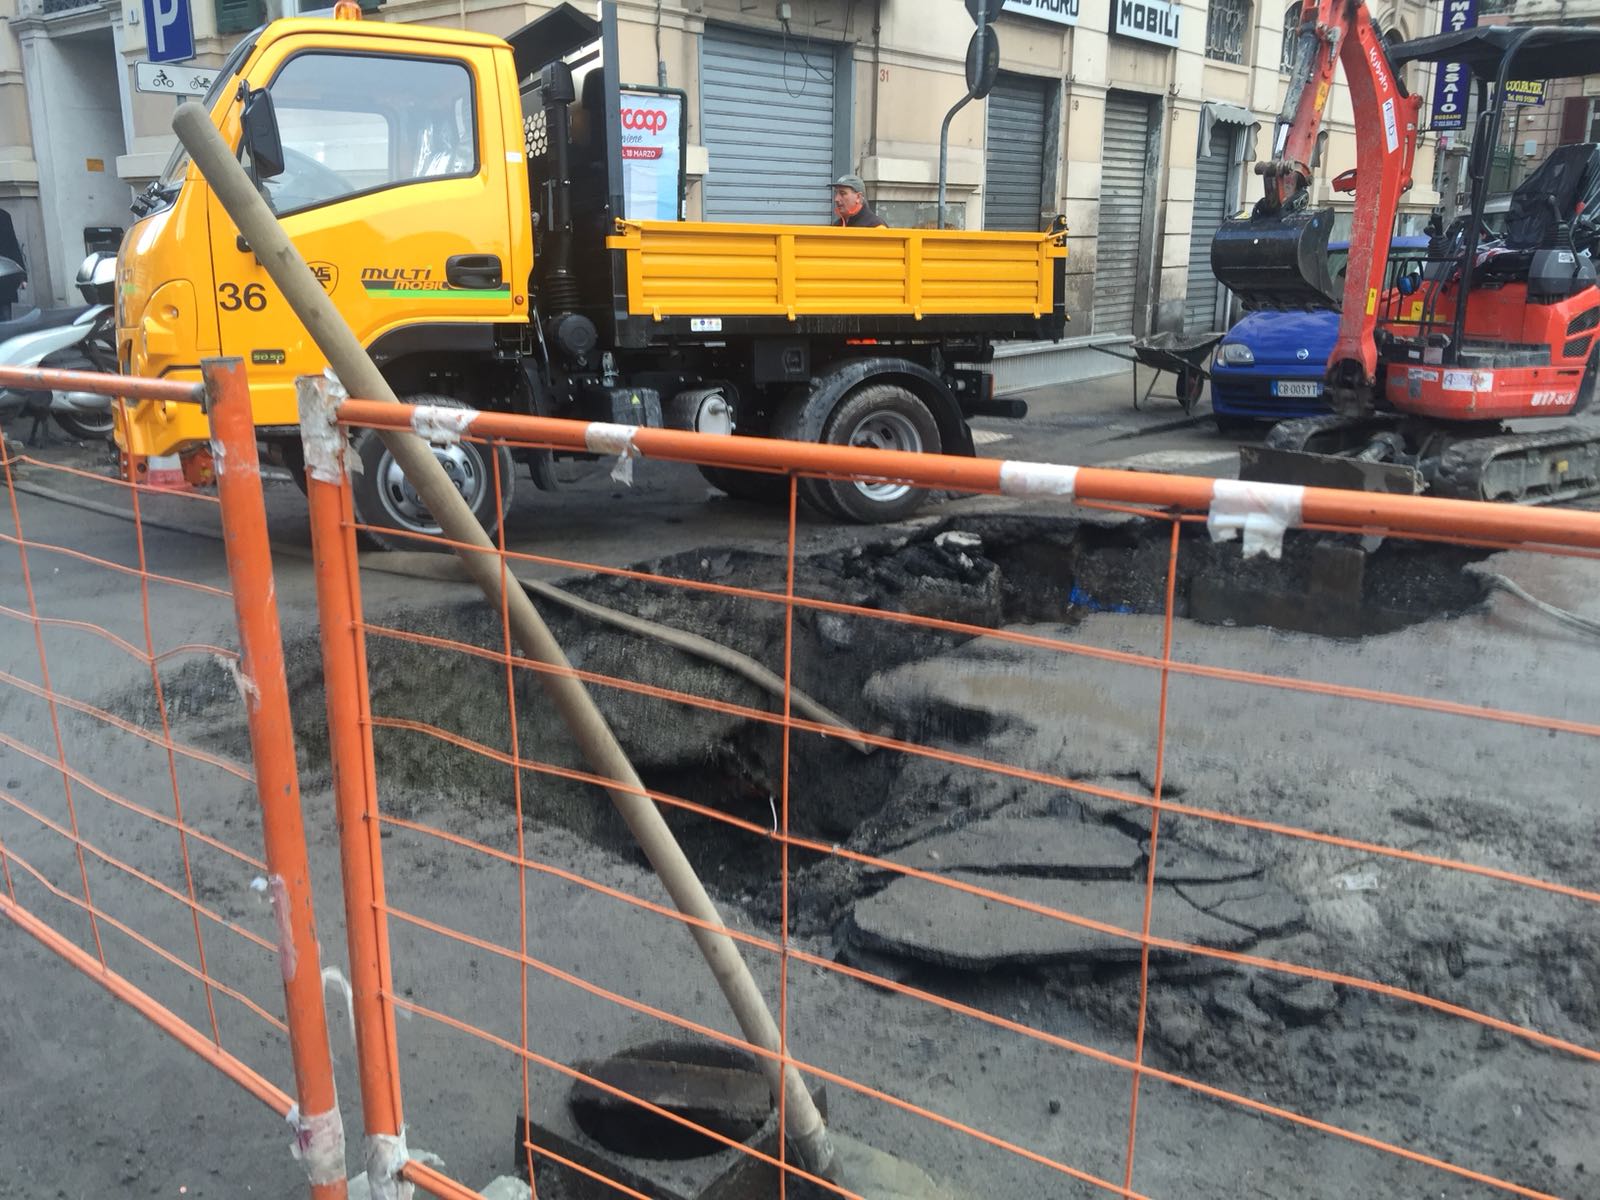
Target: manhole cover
[(715, 1087)]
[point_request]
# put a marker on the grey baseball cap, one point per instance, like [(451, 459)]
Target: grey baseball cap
[(850, 181)]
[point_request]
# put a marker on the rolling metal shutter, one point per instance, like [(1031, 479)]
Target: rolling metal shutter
[(1202, 309), (1013, 183), (767, 116), (1125, 168)]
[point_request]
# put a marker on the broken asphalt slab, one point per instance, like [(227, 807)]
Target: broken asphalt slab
[(1027, 846), (948, 927), (1059, 848)]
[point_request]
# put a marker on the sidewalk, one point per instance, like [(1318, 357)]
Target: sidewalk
[(1094, 423)]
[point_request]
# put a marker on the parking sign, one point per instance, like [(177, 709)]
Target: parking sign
[(169, 30)]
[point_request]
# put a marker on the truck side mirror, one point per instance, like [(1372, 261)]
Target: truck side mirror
[(261, 139)]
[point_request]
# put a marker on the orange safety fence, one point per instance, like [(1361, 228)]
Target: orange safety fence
[(166, 864), (1111, 833)]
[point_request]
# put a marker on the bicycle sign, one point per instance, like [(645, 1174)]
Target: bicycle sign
[(174, 79)]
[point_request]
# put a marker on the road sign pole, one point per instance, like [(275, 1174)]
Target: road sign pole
[(983, 64), (944, 129)]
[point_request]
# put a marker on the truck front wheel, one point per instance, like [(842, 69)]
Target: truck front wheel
[(884, 416), (385, 500)]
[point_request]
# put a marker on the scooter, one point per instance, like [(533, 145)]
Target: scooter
[(80, 338)]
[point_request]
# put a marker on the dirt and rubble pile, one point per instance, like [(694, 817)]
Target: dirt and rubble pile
[(1087, 713)]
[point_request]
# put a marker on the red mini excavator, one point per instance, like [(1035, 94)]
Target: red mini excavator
[(1496, 327)]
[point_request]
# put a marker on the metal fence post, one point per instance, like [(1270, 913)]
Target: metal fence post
[(319, 1129), (344, 671)]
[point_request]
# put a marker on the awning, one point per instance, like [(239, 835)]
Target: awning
[(1213, 111)]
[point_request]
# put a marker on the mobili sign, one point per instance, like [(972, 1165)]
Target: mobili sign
[(1146, 20)]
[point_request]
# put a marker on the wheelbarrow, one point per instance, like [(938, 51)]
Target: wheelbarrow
[(1184, 354)]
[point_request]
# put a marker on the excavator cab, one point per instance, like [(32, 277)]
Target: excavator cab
[(1552, 229)]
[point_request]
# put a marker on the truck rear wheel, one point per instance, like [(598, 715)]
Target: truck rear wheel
[(385, 500), (884, 416)]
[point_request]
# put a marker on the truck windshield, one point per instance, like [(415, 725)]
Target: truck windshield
[(164, 190), (352, 124)]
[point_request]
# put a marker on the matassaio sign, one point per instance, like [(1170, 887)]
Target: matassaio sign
[(1451, 84)]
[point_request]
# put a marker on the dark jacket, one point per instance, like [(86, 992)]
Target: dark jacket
[(12, 249), (865, 218)]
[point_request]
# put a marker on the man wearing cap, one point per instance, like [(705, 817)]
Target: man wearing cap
[(850, 204)]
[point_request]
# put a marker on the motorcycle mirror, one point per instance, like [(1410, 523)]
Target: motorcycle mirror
[(261, 139)]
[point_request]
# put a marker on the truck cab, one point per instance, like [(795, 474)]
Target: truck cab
[(396, 188), (465, 202)]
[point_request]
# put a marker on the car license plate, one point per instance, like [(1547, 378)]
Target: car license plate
[(1309, 389)]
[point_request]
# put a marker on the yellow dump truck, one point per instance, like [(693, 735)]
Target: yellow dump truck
[(472, 205)]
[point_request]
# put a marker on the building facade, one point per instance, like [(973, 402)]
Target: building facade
[(1136, 121), (1568, 112)]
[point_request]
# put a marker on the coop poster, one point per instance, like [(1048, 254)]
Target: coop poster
[(652, 141)]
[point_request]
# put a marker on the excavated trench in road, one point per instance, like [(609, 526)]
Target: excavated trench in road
[(1043, 575), (1045, 713)]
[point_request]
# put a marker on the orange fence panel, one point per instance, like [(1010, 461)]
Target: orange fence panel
[(128, 833), (1107, 834)]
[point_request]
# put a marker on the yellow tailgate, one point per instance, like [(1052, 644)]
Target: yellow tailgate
[(678, 269)]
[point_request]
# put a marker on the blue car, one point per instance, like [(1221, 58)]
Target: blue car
[(1269, 366)]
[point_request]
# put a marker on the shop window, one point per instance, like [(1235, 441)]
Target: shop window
[(1227, 22), (1291, 38), (1580, 120), (241, 16)]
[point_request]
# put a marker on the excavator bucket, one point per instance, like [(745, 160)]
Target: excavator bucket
[(1278, 262)]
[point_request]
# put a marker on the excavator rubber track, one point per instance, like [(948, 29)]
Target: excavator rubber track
[(1277, 261), (1553, 466), (1323, 435)]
